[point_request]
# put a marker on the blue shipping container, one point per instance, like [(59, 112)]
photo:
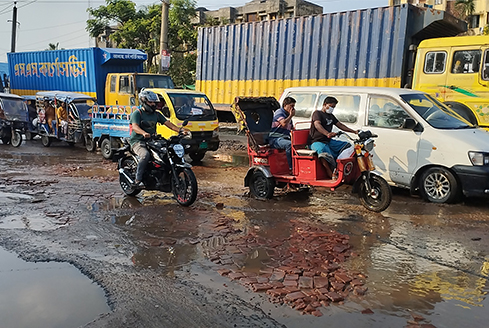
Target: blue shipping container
[(75, 70)]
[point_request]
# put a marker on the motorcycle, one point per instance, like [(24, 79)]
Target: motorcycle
[(166, 171)]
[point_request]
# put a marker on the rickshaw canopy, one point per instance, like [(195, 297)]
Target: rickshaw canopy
[(80, 100), (14, 107)]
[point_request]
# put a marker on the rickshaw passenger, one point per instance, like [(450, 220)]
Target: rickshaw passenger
[(2, 114), (279, 136), (62, 117), (49, 115), (321, 135)]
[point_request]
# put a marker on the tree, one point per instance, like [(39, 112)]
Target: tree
[(53, 46), (140, 29), (136, 29), (467, 7)]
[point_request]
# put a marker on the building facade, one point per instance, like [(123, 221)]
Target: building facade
[(258, 10), (477, 21)]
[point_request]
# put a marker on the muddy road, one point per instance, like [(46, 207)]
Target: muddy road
[(303, 259)]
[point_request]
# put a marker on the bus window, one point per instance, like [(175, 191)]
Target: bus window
[(466, 61), (435, 62)]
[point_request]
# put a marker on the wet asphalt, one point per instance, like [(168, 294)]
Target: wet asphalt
[(311, 258)]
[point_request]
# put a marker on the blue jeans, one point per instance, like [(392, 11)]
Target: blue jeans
[(282, 143), (333, 148)]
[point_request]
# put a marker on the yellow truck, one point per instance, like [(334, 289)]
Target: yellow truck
[(455, 70)]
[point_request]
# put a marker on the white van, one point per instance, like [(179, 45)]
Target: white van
[(422, 144)]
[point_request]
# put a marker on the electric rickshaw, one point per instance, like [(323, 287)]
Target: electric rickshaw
[(73, 127), (269, 167), (13, 119)]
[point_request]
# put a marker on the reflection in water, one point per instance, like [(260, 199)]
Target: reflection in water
[(48, 294)]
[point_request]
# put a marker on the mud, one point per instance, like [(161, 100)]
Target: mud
[(227, 260)]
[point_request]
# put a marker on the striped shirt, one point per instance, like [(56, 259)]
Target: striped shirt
[(277, 131)]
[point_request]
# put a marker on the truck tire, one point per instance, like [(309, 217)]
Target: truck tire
[(106, 148), (463, 111)]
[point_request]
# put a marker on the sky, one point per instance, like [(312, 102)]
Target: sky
[(41, 22)]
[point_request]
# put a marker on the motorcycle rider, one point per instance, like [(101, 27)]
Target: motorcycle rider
[(143, 126)]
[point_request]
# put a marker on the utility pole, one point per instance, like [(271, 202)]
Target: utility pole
[(14, 27), (164, 54)]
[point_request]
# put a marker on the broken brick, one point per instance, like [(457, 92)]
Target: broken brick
[(260, 287), (306, 282), (334, 297), (367, 311), (342, 277), (294, 296), (320, 282)]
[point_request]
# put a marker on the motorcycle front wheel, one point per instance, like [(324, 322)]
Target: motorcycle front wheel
[(129, 166), (379, 197), (185, 188)]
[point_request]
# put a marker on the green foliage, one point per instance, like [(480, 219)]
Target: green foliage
[(467, 7), (53, 46), (140, 29), (486, 30)]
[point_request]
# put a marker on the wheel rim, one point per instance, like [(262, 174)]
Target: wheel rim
[(16, 139), (437, 185)]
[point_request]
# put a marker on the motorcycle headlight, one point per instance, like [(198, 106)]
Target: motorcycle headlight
[(479, 158), (369, 145), (179, 151)]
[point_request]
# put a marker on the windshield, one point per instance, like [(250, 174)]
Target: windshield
[(435, 113), (193, 107), (15, 109), (154, 81), (82, 108)]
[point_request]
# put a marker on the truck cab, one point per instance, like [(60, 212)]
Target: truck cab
[(122, 89)]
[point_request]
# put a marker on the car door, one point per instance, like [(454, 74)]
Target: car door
[(396, 152)]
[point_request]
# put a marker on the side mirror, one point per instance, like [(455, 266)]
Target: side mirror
[(408, 123), (166, 111), (185, 123)]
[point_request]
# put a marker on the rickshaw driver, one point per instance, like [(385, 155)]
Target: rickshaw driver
[(143, 124), (279, 136), (321, 135)]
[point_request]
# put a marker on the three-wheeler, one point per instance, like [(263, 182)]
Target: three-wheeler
[(13, 119)]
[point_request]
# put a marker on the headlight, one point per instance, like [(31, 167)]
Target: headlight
[(369, 145), (479, 158), (179, 151)]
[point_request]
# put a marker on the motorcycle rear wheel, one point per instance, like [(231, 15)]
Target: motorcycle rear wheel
[(185, 190), (379, 197), (129, 166)]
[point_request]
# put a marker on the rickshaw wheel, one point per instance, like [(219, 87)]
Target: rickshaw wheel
[(106, 148), (46, 141), (16, 139), (29, 135), (90, 145), (261, 187)]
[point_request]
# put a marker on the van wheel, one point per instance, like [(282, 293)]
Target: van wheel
[(438, 185), (106, 149), (197, 156), (261, 187), (463, 111)]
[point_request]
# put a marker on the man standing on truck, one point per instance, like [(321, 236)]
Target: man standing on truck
[(321, 135), (143, 123)]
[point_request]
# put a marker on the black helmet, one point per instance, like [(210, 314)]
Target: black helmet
[(146, 96)]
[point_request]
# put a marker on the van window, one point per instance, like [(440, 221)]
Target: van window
[(305, 102), (346, 110), (113, 80), (466, 61), (435, 62), (385, 113)]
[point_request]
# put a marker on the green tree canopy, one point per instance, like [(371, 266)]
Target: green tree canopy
[(467, 7), (140, 29)]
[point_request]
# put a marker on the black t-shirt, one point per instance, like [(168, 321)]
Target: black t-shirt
[(327, 121)]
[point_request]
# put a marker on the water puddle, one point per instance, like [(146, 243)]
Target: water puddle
[(48, 294), (232, 160)]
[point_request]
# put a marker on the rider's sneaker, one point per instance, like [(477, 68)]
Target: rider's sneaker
[(334, 177), (138, 184)]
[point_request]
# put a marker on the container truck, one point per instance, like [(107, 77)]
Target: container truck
[(112, 76), (396, 46)]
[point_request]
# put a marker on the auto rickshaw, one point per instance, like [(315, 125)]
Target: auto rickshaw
[(13, 119), (71, 124)]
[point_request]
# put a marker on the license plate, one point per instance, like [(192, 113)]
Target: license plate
[(203, 145)]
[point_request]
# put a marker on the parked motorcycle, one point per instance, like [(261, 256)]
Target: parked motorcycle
[(166, 171)]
